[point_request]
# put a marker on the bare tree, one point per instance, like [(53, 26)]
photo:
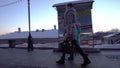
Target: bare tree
[(114, 30)]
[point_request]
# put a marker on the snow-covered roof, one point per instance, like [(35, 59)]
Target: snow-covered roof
[(73, 2), (35, 34), (110, 35)]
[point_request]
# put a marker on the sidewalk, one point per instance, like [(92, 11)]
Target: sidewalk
[(21, 58)]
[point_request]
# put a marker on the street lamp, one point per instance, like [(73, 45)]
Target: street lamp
[(30, 40)]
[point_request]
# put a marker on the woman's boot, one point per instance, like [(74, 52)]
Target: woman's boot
[(86, 61), (61, 61)]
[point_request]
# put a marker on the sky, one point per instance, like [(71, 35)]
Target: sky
[(105, 15)]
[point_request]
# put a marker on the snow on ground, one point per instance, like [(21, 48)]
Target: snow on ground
[(46, 45), (108, 46), (55, 45), (103, 46), (49, 45), (4, 45)]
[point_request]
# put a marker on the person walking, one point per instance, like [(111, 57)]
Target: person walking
[(70, 38)]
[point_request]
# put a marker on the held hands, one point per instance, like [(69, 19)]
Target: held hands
[(77, 25)]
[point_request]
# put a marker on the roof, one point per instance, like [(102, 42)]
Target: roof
[(35, 34), (73, 2), (111, 35)]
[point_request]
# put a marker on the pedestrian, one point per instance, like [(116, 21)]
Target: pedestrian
[(70, 38)]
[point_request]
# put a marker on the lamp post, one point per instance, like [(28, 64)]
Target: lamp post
[(30, 40)]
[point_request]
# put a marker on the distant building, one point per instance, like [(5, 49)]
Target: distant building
[(113, 38)]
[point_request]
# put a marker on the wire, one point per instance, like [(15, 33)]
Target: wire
[(11, 3)]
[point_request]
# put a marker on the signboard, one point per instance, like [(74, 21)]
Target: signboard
[(83, 9)]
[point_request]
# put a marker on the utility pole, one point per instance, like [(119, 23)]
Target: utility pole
[(30, 40)]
